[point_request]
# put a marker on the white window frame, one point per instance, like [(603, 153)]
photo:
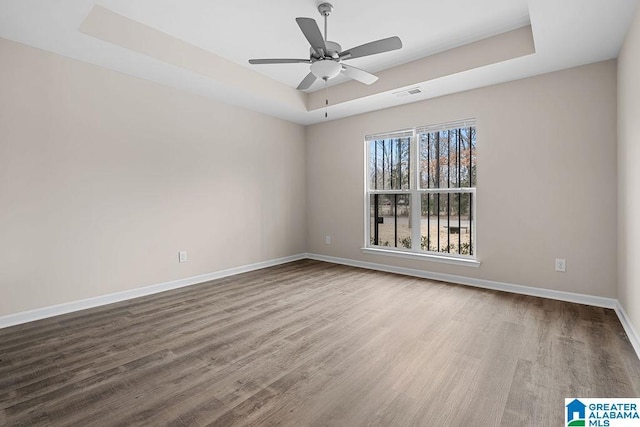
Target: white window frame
[(415, 193)]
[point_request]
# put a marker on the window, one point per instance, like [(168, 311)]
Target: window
[(421, 190)]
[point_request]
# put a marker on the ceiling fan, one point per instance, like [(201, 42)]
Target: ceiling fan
[(326, 56)]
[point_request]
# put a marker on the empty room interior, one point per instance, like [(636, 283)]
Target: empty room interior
[(310, 213)]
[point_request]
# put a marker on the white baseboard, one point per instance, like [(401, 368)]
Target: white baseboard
[(499, 286), (479, 283), (628, 327), (55, 310), (42, 313)]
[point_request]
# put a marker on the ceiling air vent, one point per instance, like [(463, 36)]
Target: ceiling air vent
[(407, 92)]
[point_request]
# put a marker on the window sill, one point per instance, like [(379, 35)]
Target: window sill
[(423, 257)]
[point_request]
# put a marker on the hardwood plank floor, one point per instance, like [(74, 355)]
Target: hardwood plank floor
[(318, 344)]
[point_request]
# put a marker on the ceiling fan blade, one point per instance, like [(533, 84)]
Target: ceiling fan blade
[(307, 82), (378, 46), (358, 74), (311, 31), (279, 61)]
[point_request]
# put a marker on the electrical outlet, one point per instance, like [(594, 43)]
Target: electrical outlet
[(327, 240), (561, 265), (182, 256)]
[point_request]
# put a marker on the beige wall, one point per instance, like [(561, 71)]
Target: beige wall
[(629, 174), (104, 177), (546, 179)]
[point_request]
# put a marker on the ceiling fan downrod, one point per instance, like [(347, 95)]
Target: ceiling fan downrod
[(325, 10)]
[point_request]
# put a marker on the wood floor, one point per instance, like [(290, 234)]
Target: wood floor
[(312, 343)]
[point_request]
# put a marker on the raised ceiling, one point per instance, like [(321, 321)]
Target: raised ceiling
[(203, 46)]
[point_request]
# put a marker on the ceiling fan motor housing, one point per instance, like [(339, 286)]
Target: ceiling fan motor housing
[(333, 50)]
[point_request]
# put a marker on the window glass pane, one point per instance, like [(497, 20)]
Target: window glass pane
[(390, 220), (427, 160), (446, 223), (448, 158), (468, 156), (389, 164)]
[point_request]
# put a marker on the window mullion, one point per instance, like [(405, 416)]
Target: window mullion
[(416, 203)]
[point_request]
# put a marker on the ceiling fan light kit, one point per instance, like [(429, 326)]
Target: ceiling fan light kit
[(326, 69), (326, 57)]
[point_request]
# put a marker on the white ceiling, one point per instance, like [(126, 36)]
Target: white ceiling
[(566, 33)]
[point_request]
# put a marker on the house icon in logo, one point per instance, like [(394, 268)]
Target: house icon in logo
[(575, 409)]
